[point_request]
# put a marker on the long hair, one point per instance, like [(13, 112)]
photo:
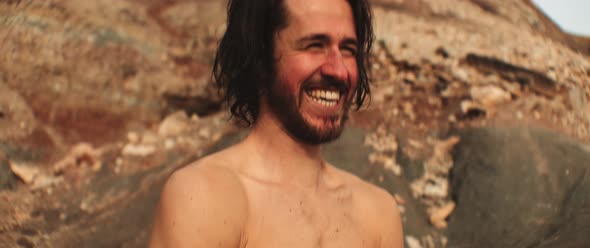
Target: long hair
[(244, 63)]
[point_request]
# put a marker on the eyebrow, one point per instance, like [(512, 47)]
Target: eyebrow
[(325, 38)]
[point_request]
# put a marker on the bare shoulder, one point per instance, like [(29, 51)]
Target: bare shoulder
[(202, 205), (369, 193), (377, 209)]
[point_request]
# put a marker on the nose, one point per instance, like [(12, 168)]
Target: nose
[(334, 67)]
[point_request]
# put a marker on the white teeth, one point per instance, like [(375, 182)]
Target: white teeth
[(324, 97), (326, 103), (333, 95)]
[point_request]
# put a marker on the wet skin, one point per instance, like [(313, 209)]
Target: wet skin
[(272, 189)]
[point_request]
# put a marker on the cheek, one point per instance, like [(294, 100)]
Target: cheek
[(293, 71), (285, 70)]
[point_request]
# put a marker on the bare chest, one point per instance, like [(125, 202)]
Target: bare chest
[(279, 218)]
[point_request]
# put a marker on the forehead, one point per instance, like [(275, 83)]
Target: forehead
[(320, 16)]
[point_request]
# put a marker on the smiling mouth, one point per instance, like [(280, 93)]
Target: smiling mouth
[(328, 98)]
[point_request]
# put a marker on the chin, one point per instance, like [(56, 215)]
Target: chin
[(316, 132), (305, 127)]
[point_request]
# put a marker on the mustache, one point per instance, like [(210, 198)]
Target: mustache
[(332, 84)]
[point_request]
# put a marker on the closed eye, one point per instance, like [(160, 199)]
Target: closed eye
[(314, 45), (349, 50)]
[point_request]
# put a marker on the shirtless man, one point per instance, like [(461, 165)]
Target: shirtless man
[(292, 68)]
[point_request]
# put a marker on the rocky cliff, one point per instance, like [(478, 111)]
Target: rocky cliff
[(478, 124)]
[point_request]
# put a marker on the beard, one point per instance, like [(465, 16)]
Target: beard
[(286, 106)]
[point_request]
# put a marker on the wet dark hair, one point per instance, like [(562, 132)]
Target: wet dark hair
[(244, 65)]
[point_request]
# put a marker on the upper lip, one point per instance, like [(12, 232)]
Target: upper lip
[(329, 85)]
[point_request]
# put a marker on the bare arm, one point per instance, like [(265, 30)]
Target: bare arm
[(200, 207), (392, 233)]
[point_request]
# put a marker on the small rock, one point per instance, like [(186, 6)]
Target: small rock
[(205, 133), (413, 242), (174, 124), (133, 137), (513, 89), (460, 73), (169, 143), (389, 163), (44, 181), (149, 138), (439, 224), (400, 200), (138, 150), (81, 155), (216, 136), (25, 172), (443, 148), (33, 176), (467, 105), (438, 215), (472, 110), (436, 188), (489, 95)]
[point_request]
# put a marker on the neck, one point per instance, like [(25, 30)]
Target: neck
[(280, 158)]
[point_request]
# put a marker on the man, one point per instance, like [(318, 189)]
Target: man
[(291, 68)]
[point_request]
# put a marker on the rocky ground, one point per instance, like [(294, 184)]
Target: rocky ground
[(478, 124)]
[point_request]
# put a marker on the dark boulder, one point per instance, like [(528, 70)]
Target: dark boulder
[(519, 187)]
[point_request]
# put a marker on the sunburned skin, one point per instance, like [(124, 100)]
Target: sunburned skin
[(273, 190)]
